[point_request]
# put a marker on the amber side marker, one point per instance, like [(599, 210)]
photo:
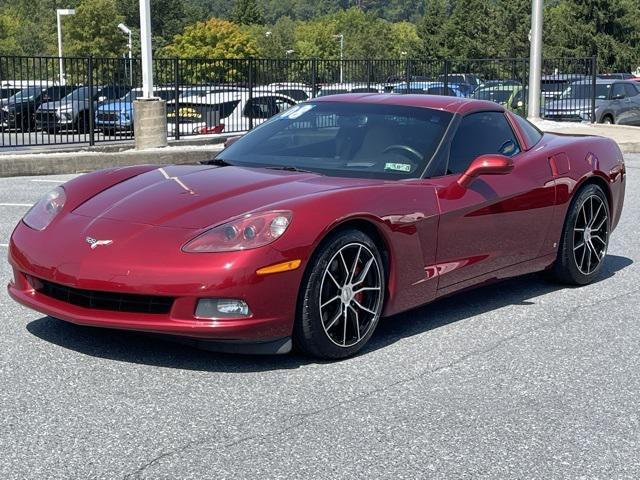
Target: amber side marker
[(279, 267)]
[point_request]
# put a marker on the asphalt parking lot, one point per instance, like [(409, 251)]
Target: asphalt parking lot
[(521, 379)]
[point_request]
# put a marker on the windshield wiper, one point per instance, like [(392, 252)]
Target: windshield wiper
[(217, 161), (289, 168)]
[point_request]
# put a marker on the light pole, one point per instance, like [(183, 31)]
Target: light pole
[(127, 31), (145, 42), (535, 59), (341, 37), (288, 52), (59, 13)]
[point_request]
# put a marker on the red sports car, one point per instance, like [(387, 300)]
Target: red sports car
[(310, 228)]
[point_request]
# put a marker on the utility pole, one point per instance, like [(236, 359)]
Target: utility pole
[(535, 59), (341, 37)]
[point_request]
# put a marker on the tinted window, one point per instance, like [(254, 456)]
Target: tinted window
[(479, 134), (618, 91), (585, 91), (630, 90), (345, 139), (529, 131)]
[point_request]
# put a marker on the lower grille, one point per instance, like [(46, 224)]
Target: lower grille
[(108, 117), (117, 302)]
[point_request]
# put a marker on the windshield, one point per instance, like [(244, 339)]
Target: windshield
[(77, 95), (494, 95), (345, 140), (583, 91), (25, 94)]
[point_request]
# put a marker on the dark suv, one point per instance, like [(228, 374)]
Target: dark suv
[(73, 112), (19, 111)]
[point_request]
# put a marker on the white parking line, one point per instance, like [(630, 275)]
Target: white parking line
[(4, 244), (15, 204), (48, 181)]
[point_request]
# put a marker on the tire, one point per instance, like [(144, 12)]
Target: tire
[(608, 120), (82, 124), (584, 239), (322, 329)]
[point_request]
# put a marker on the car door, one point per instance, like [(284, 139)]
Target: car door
[(499, 220), (633, 101), (620, 105)]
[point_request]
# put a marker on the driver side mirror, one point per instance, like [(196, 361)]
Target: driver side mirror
[(491, 164)]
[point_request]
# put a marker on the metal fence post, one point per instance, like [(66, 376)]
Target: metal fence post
[(594, 73), (92, 139), (176, 108), (369, 70), (407, 74), (314, 76), (446, 75), (251, 73)]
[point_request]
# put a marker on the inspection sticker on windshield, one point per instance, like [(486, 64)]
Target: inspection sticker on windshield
[(297, 111), (400, 167)]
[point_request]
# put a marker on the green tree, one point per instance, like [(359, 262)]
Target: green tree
[(246, 12), (94, 30), (273, 41), (430, 28), (213, 39), (511, 26)]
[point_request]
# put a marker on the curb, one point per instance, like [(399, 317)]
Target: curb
[(22, 164)]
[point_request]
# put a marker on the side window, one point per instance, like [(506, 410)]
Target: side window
[(282, 104), (262, 107), (479, 134), (618, 91), (530, 132), (630, 90)]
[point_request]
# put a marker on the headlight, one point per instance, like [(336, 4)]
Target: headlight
[(45, 210), (249, 231)]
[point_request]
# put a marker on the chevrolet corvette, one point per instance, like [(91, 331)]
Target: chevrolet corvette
[(309, 229)]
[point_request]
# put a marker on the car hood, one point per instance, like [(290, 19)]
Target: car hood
[(115, 106), (197, 197), (63, 104), (570, 105)]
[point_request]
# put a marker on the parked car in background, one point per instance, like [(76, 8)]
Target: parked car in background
[(552, 86), (497, 93), (298, 91), (228, 112), (500, 83), (20, 110), (616, 76), (6, 92), (73, 111), (470, 78), (517, 102), (338, 88), (617, 101), (117, 115), (429, 88)]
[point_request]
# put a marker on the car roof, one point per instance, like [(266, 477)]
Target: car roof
[(438, 102)]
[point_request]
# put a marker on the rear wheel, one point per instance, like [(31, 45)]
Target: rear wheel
[(585, 238), (342, 297), (608, 120)]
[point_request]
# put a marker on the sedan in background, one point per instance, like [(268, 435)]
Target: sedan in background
[(19, 112), (616, 101), (313, 226), (224, 112), (431, 88)]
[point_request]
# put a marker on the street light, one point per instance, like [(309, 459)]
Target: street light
[(341, 37), (127, 31), (59, 13), (288, 52), (145, 43)]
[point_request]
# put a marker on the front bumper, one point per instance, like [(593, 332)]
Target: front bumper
[(113, 121), (185, 278)]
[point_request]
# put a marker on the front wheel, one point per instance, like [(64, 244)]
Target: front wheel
[(585, 238), (341, 298)]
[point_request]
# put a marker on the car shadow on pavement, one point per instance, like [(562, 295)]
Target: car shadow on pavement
[(157, 351)]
